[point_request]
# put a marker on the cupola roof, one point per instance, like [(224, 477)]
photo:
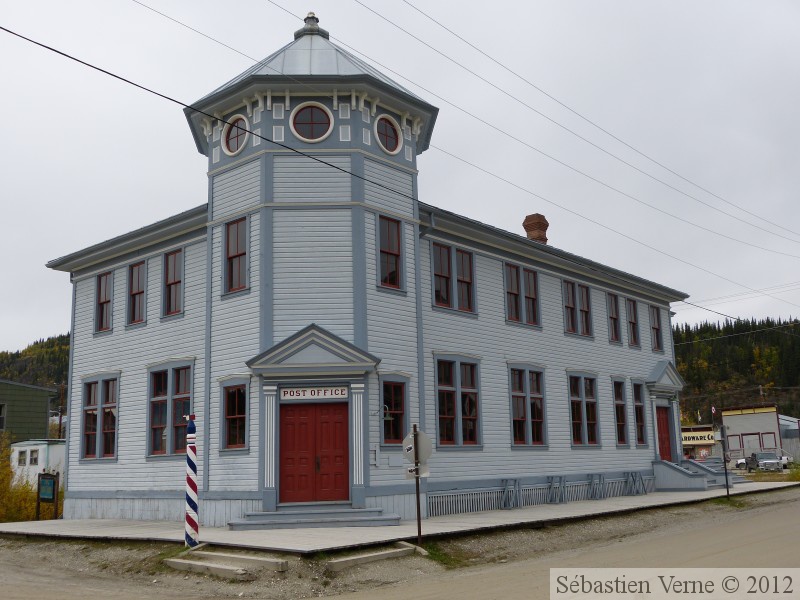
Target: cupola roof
[(314, 63)]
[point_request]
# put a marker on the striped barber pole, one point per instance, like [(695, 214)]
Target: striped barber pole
[(192, 521)]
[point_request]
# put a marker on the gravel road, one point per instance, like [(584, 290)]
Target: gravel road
[(31, 569)]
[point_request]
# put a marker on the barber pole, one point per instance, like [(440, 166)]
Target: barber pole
[(192, 521)]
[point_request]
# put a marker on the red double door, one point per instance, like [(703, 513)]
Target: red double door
[(314, 453)]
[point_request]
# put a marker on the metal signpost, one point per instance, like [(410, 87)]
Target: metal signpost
[(725, 458), (417, 449), (47, 492)]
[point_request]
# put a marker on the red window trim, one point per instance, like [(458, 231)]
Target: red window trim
[(531, 296), (104, 283), (633, 322), (390, 252), (638, 413), (390, 143), (464, 280), (179, 396), (392, 410), (313, 122), (136, 285), (109, 391), (619, 403), (442, 274), (570, 313), (229, 418), (655, 328), (512, 293), (585, 310), (238, 228), (90, 407), (235, 135), (614, 332), (173, 281)]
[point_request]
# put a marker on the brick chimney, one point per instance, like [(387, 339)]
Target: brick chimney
[(536, 227)]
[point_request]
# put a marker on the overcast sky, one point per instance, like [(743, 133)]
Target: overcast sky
[(708, 89)]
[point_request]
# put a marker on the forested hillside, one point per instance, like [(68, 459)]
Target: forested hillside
[(44, 363), (736, 363)]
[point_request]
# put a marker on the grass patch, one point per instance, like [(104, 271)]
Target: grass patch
[(440, 555), (732, 502)]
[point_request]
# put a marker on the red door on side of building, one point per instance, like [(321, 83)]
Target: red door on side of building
[(664, 437), (314, 453)]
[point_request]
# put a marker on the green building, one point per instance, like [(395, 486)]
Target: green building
[(24, 410)]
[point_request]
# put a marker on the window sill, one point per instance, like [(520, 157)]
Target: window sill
[(523, 325), (235, 293), (94, 461), (458, 447), (134, 326), (529, 447), (642, 446), (621, 446), (165, 457), (580, 336), (391, 447), (454, 311), (617, 343), (234, 451), (391, 290), (635, 346), (658, 350), (172, 317), (587, 446), (103, 333)]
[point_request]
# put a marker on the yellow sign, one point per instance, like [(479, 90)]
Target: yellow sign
[(697, 438)]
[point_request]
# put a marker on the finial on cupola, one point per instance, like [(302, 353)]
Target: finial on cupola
[(311, 27)]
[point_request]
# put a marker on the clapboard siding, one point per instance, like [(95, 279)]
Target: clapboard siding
[(313, 271), (392, 334), (396, 198), (130, 351), (303, 179), (236, 190), (497, 343), (235, 335)]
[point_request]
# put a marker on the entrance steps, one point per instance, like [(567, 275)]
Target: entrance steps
[(228, 565), (714, 471), (315, 515)]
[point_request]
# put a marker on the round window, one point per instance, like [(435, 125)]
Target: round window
[(387, 132), (235, 136), (312, 122)]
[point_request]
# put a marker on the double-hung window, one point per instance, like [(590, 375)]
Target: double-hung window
[(633, 322), (22, 458), (614, 331), (583, 410), (99, 417), (235, 407), (449, 292), (577, 309), (173, 282), (2, 417), (638, 414), (394, 414), (522, 295), (527, 407), (655, 329), (620, 412), (236, 255), (103, 308), (136, 281), (390, 253), (170, 402), (457, 402)]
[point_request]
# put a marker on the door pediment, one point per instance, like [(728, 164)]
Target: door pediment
[(313, 351), (664, 379)]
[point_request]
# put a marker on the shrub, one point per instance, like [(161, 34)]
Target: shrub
[(18, 496)]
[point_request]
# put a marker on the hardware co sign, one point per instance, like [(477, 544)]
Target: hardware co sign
[(314, 393)]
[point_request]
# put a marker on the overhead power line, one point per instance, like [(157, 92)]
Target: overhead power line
[(319, 160), (590, 121)]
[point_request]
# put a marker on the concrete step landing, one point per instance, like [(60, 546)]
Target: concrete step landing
[(228, 565), (315, 516)]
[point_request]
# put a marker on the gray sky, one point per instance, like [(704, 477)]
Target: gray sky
[(709, 89)]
